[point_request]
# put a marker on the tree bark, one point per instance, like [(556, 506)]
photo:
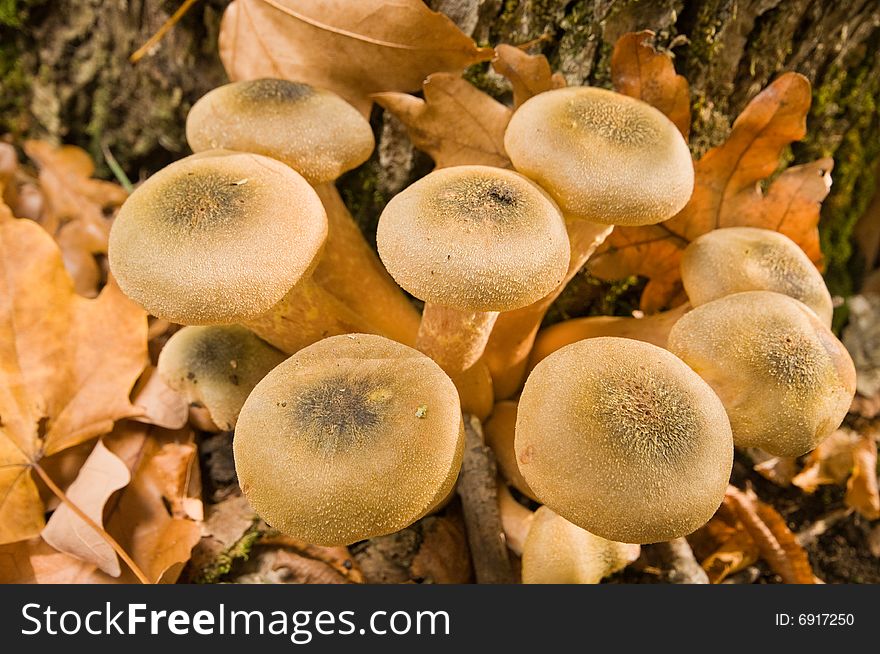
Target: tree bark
[(65, 75)]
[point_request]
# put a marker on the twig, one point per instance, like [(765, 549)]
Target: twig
[(479, 499), (91, 523), (808, 535), (116, 169), (677, 559), (139, 54)]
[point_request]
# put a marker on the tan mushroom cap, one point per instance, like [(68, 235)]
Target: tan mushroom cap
[(474, 238), (500, 431), (313, 131), (559, 552), (216, 237), (621, 438), (353, 437), (603, 156), (785, 380), (217, 367), (736, 259)]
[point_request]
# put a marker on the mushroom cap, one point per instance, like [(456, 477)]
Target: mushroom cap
[(736, 259), (217, 237), (353, 437), (603, 156), (217, 367), (559, 552), (313, 131), (621, 438), (474, 238), (785, 380), (500, 432)]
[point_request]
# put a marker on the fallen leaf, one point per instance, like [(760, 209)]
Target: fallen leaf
[(67, 365), (736, 552), (102, 475), (830, 463), (781, 470), (161, 405), (639, 71), (443, 557), (862, 492), (727, 193), (528, 74), (456, 123), (355, 49)]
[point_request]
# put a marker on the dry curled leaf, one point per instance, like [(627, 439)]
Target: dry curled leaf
[(862, 492), (456, 123), (728, 193), (67, 365), (355, 49), (830, 463), (102, 474), (162, 405), (528, 74)]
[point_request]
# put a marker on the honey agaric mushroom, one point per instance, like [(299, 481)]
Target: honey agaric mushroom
[(471, 241), (500, 431), (624, 440), (652, 329), (736, 259), (603, 156), (785, 380), (217, 367), (353, 437), (227, 237), (559, 552), (607, 159), (320, 136)]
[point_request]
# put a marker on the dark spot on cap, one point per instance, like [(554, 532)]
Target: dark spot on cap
[(273, 90)]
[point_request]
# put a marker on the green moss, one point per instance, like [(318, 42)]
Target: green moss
[(222, 563)]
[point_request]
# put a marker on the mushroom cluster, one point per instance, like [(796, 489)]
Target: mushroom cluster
[(347, 405)]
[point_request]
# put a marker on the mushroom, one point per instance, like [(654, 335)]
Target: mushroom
[(471, 241), (516, 520), (607, 159), (353, 437), (785, 380), (559, 552), (217, 367), (499, 431), (736, 259), (227, 237), (621, 438), (652, 329), (603, 156), (320, 136)]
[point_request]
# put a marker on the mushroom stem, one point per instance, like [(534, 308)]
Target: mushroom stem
[(507, 351), (652, 329), (515, 519), (455, 339), (350, 269), (304, 316)]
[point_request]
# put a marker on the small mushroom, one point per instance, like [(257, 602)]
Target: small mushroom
[(471, 241), (353, 437), (320, 136), (500, 431), (736, 259), (785, 380), (226, 237), (603, 156), (217, 367), (559, 552), (624, 440)]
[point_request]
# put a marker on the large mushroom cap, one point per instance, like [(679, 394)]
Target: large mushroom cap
[(352, 437), (314, 131), (217, 367), (603, 156), (216, 237), (736, 259), (621, 438), (474, 238), (783, 377)]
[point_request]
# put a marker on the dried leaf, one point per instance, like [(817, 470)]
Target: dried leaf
[(830, 463), (528, 74), (733, 554), (102, 474), (728, 193), (781, 470), (67, 365), (862, 492), (456, 123), (355, 49), (639, 71), (443, 557), (162, 405)]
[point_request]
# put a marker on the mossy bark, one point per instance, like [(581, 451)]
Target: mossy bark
[(65, 75)]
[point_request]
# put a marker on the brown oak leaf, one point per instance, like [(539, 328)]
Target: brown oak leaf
[(456, 123), (862, 491), (352, 48), (67, 365), (528, 74)]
